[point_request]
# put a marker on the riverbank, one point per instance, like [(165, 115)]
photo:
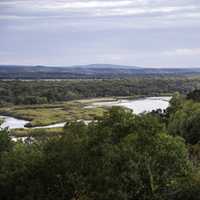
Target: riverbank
[(55, 116), (74, 111), (48, 114)]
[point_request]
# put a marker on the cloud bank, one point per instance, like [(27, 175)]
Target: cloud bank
[(135, 32)]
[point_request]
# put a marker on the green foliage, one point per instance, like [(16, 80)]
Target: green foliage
[(121, 156), (141, 162), (42, 92), (175, 103), (184, 121), (5, 141), (187, 188), (194, 95), (20, 173)]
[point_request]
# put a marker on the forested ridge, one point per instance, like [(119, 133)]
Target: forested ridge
[(153, 156), (93, 71), (41, 92)]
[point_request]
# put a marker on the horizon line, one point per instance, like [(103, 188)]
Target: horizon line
[(93, 64)]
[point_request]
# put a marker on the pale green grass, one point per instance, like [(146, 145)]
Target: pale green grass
[(42, 115)]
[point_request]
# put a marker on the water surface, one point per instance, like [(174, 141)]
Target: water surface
[(11, 122), (138, 106)]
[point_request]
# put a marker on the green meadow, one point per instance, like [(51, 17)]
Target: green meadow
[(47, 114)]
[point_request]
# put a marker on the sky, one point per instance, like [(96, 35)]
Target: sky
[(148, 33)]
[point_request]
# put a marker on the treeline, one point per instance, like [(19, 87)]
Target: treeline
[(94, 71), (41, 92), (120, 156)]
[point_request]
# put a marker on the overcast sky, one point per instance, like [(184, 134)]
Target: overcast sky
[(151, 33)]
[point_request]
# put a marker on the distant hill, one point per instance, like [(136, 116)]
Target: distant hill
[(86, 71)]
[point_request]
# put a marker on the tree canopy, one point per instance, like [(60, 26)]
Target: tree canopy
[(120, 156)]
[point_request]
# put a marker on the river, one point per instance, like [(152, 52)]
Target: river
[(138, 106)]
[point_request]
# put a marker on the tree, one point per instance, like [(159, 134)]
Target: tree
[(5, 141), (130, 157), (185, 122), (121, 156), (194, 95)]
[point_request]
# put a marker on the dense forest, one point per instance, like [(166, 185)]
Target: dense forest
[(122, 156), (41, 92)]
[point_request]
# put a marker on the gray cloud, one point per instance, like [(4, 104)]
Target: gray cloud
[(95, 7), (134, 32)]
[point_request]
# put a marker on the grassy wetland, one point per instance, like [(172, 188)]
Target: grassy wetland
[(47, 114)]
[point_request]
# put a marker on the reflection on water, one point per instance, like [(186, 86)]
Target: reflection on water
[(138, 106), (12, 122)]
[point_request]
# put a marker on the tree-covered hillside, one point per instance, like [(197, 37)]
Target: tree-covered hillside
[(40, 92), (97, 71)]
